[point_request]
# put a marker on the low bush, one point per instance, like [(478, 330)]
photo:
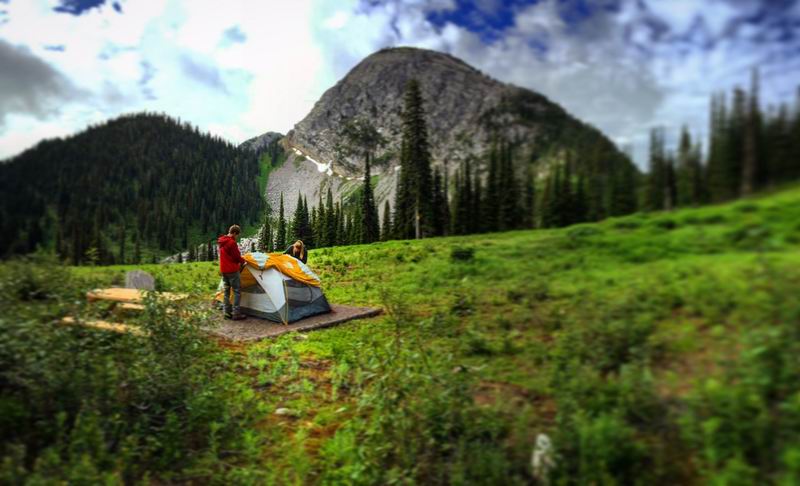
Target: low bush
[(83, 406)]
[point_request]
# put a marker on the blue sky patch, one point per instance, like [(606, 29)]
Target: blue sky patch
[(56, 48), (486, 18), (78, 7)]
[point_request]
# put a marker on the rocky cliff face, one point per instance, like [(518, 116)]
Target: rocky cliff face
[(261, 142), (465, 110)]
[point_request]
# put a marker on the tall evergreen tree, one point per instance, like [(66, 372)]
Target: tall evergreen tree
[(753, 169), (413, 211), (280, 235), (330, 221), (137, 249), (265, 234), (370, 226), (386, 228), (657, 173), (529, 201), (670, 184), (491, 199)]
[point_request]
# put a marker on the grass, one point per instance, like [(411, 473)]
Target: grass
[(651, 349)]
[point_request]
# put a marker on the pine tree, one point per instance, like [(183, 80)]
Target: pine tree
[(683, 171), (446, 199), (439, 223), (657, 174), (413, 211), (330, 221), (386, 228), (580, 208), (753, 170), (265, 234), (314, 228), (340, 230), (280, 236), (529, 201), (370, 226), (508, 193), (137, 249), (121, 239), (491, 200), (476, 210), (736, 145), (718, 186), (670, 187), (297, 221)]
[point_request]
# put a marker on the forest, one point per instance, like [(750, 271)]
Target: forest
[(132, 189)]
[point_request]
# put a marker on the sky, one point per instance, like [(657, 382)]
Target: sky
[(241, 68)]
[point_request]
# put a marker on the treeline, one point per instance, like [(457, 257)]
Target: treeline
[(748, 149), (139, 184)]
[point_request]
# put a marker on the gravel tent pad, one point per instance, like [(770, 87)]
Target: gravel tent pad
[(255, 329)]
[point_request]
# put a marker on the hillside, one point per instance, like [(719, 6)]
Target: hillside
[(653, 349), (466, 111), (141, 183)]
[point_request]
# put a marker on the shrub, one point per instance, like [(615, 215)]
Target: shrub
[(462, 254), (84, 406)]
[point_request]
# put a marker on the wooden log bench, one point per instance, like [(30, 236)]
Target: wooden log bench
[(123, 300)]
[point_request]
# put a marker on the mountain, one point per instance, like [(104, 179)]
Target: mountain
[(262, 143), (465, 110), (141, 180)]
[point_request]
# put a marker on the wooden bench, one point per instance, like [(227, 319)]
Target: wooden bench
[(104, 326), (125, 300)]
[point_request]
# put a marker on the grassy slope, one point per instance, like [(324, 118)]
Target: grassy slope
[(591, 334)]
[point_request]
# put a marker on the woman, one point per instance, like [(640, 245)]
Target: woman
[(297, 250)]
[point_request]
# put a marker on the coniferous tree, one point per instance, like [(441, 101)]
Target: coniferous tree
[(529, 201), (137, 249), (446, 199), (670, 187), (413, 211), (717, 176), (684, 170), (386, 228), (508, 216), (735, 139), (121, 239), (280, 235), (580, 208), (265, 234), (753, 170), (548, 200), (340, 230), (438, 203), (476, 209), (491, 200), (657, 173), (370, 226), (314, 228), (330, 221)]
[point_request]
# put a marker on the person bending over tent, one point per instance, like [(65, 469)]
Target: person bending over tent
[(230, 264), (298, 250)]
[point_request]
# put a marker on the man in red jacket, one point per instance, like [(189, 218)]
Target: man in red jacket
[(230, 264)]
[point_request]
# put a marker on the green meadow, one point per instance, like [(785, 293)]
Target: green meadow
[(657, 348)]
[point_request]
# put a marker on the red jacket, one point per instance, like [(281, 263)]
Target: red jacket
[(229, 256)]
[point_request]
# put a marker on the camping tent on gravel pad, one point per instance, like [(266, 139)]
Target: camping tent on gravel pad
[(280, 288)]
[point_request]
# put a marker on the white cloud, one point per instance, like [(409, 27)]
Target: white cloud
[(169, 55), (623, 71)]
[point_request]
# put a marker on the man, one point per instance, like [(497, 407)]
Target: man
[(230, 264)]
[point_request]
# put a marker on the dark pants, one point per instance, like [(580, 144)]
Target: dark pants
[(231, 281)]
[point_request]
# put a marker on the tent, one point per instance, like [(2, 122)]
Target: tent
[(279, 287)]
